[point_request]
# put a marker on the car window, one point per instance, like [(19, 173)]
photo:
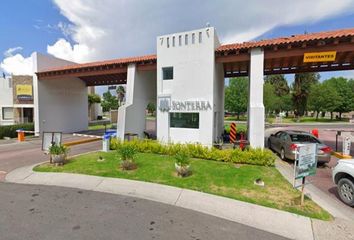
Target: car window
[(278, 134), (303, 138), (283, 136)]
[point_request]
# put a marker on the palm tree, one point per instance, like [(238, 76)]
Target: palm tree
[(120, 94)]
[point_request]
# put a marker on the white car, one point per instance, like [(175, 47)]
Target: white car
[(343, 176)]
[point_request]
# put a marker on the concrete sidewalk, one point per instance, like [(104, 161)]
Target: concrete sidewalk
[(271, 220)]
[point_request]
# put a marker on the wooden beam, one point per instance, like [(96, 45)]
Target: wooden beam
[(62, 74), (343, 47), (233, 58)]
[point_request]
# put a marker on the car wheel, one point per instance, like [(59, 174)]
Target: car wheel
[(346, 191), (282, 154), (269, 144)]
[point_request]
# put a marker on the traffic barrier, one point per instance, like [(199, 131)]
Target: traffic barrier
[(81, 141), (233, 133)]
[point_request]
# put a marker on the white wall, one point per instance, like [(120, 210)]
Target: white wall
[(63, 105), (6, 98), (60, 104), (140, 90), (194, 80)]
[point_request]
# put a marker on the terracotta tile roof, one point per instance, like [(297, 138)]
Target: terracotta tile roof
[(129, 60), (288, 40)]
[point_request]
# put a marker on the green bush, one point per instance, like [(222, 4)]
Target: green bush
[(182, 158), (58, 149), (10, 130), (127, 152), (254, 156)]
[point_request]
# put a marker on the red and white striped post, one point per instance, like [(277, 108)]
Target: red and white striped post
[(233, 133)]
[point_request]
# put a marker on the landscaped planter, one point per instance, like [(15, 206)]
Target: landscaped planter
[(58, 159), (182, 171)]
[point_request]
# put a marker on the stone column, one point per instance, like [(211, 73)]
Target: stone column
[(255, 102)]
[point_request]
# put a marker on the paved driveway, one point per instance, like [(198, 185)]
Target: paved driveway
[(42, 212)]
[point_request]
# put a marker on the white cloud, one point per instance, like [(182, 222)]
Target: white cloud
[(17, 65), (63, 49), (9, 52), (116, 28)]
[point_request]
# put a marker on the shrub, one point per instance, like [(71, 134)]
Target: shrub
[(58, 149), (10, 130), (182, 158), (255, 156), (127, 152)]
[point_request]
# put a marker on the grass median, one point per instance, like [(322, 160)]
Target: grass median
[(225, 179)]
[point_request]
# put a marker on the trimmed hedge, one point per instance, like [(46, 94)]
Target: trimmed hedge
[(10, 130), (254, 156)]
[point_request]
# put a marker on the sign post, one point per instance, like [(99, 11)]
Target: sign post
[(305, 164), (49, 139)]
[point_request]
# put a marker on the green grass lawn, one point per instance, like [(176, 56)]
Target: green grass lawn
[(308, 120), (225, 179), (239, 127)]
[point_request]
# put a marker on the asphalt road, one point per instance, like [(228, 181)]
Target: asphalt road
[(15, 155), (42, 212)]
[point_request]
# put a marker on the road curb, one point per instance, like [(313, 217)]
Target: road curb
[(275, 221)]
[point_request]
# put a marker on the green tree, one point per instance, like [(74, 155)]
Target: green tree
[(269, 97), (343, 87), (236, 95), (323, 98), (109, 101), (301, 90), (151, 108), (280, 84), (93, 98), (283, 103)]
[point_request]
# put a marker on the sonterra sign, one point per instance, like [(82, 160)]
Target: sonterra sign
[(165, 105)]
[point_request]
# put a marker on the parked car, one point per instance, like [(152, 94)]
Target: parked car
[(343, 177), (285, 142)]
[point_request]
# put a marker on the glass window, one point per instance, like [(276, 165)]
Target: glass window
[(303, 138), (186, 39), (184, 120), (7, 113), (167, 73), (200, 37), (179, 40), (193, 38)]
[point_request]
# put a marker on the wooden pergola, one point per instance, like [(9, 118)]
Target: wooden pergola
[(286, 55), (281, 56), (110, 72)]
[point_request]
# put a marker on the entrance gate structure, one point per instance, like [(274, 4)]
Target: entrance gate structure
[(61, 95)]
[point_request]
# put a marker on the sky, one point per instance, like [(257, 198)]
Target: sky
[(90, 30)]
